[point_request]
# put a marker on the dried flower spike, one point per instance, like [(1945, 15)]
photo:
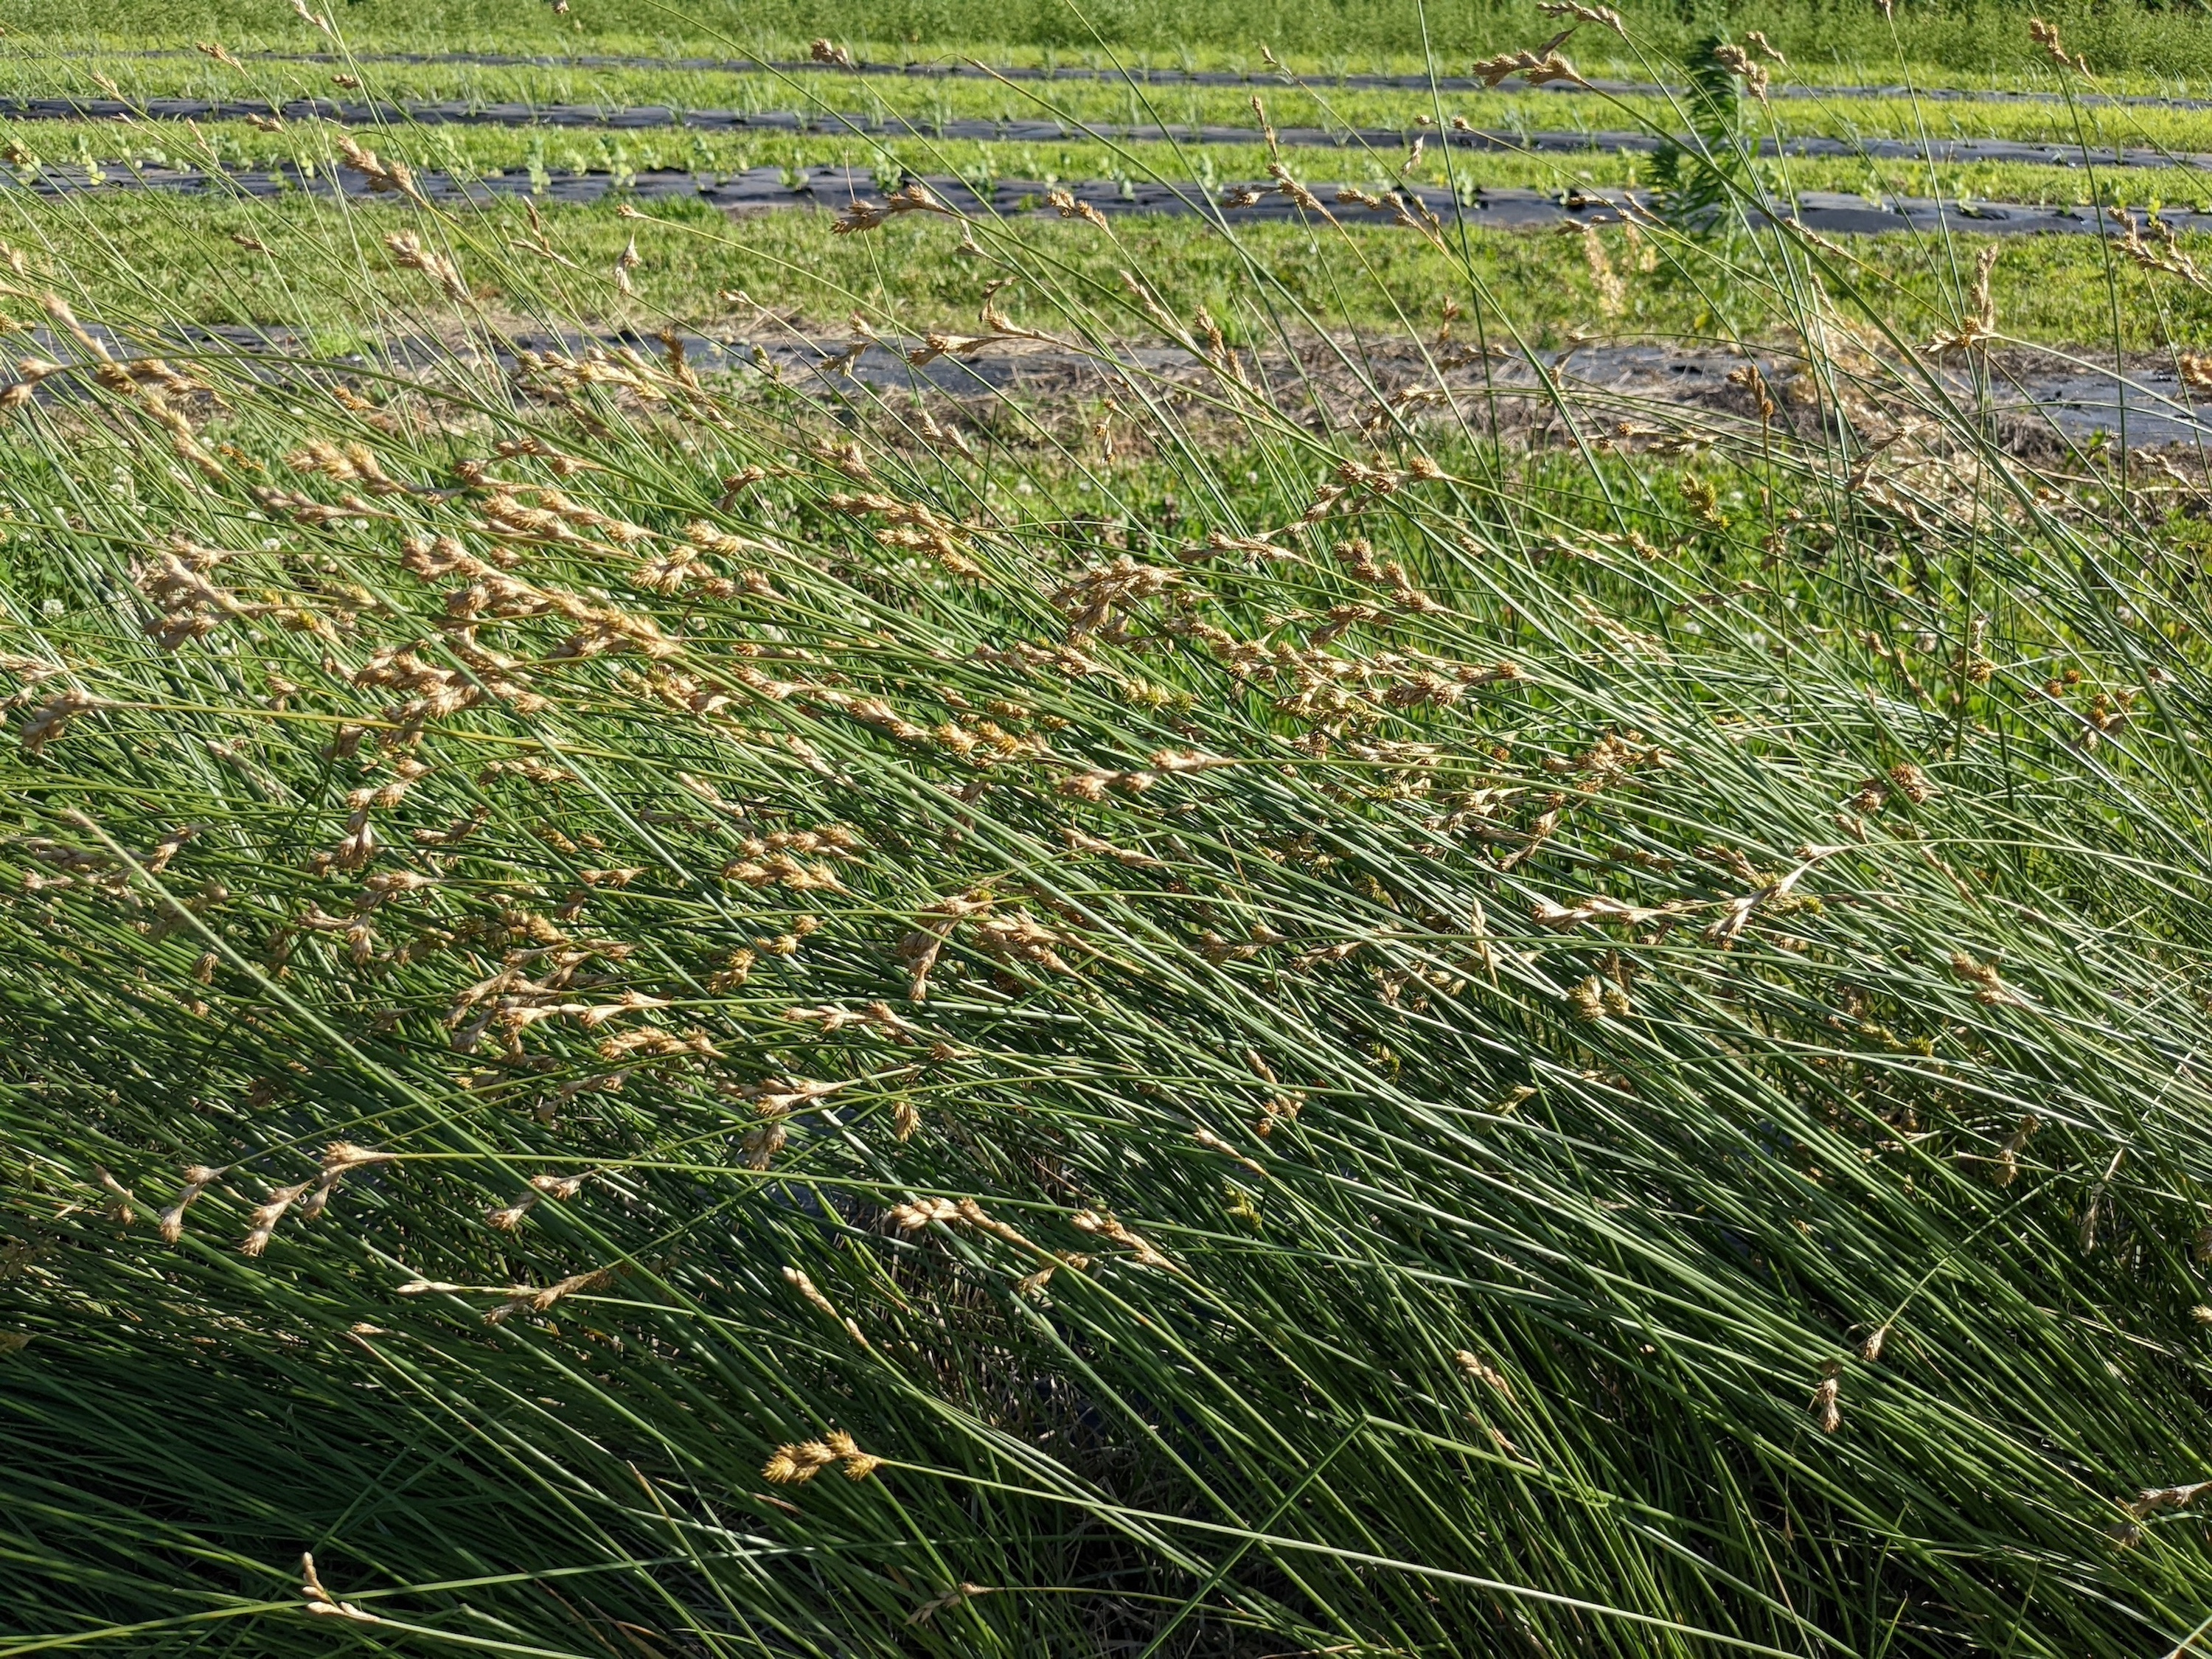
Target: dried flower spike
[(1480, 1369), (340, 1159), (409, 250), (805, 1286), (197, 1180), (322, 1601), (1105, 1226), (913, 1218), (268, 1215), (858, 1465), (795, 1465), (121, 1209), (1825, 1409), (953, 1597)]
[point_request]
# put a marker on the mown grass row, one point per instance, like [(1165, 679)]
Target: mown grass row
[(2145, 45), (1304, 104)]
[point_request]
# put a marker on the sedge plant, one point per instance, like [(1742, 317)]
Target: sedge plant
[(1250, 995)]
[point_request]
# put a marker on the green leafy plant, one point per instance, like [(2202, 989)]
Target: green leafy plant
[(1693, 187)]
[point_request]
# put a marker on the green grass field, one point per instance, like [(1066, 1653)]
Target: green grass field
[(1400, 35), (691, 263), (2053, 294), (1301, 100)]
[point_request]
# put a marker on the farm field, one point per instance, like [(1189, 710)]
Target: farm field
[(2155, 49), (213, 271), (1229, 831), (540, 125)]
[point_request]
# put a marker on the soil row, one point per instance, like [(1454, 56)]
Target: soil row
[(1941, 151), (844, 189), (2038, 398)]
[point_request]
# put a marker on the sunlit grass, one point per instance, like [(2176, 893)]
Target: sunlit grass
[(2052, 288)]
